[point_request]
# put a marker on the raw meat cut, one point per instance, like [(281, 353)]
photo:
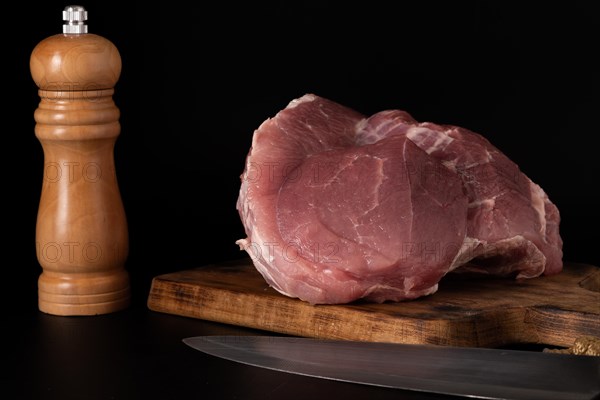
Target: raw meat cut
[(339, 207), (512, 225)]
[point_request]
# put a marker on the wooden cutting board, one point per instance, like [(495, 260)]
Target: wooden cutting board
[(466, 311)]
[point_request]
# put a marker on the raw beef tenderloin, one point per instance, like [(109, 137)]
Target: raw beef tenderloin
[(338, 207)]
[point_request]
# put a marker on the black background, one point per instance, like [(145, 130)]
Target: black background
[(198, 78)]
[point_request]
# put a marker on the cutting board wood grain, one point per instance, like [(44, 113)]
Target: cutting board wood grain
[(466, 310)]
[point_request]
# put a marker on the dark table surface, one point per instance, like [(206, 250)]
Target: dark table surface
[(138, 354)]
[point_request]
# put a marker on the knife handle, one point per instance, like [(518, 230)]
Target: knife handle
[(81, 231)]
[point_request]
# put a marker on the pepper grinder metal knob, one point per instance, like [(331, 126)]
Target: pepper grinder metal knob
[(81, 232), (75, 17)]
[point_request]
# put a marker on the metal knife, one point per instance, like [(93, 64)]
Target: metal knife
[(460, 371)]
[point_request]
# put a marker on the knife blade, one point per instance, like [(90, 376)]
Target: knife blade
[(460, 371)]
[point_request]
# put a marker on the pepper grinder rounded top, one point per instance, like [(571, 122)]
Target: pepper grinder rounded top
[(75, 59)]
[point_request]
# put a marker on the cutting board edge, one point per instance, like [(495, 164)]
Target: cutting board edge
[(522, 328)]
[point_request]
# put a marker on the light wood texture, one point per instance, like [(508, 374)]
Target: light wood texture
[(466, 311), (75, 62), (81, 232)]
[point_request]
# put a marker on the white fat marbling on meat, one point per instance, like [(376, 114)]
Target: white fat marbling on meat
[(538, 201), (306, 98), (419, 134)]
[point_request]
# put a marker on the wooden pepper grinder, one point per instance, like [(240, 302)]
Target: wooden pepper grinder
[(81, 233)]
